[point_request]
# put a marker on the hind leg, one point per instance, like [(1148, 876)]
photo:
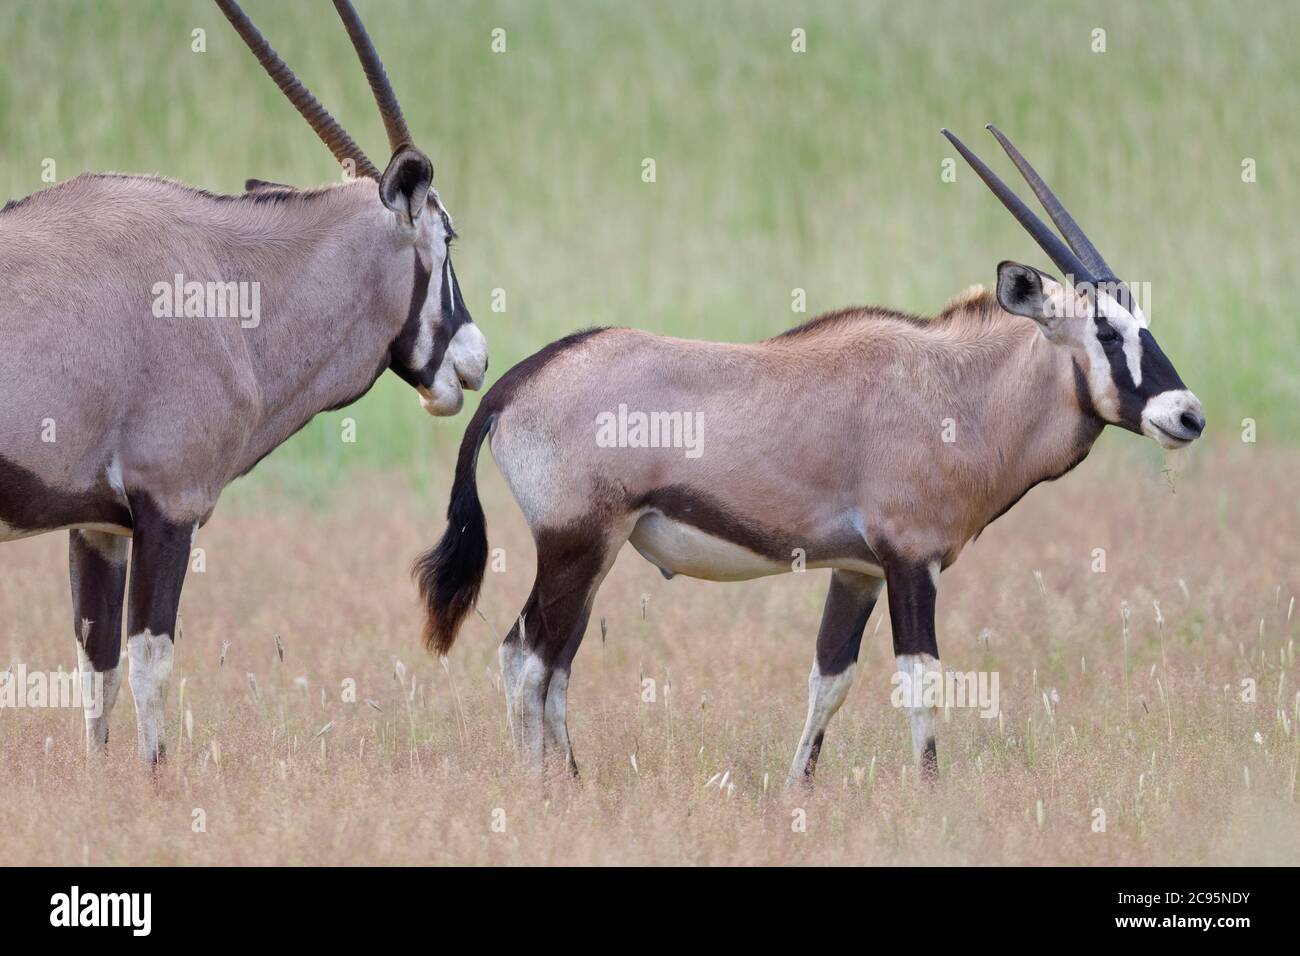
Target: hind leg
[(510, 657), (537, 655), (555, 717), (97, 568), (556, 711), (849, 603)]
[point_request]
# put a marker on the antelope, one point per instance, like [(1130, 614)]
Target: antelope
[(117, 425), (824, 444)]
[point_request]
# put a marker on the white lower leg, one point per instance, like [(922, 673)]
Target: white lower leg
[(529, 705), (556, 713), (510, 657), (151, 667), (921, 682), (98, 695), (825, 695)]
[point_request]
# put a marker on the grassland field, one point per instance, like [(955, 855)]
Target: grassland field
[(774, 171)]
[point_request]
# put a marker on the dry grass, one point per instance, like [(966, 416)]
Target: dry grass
[(1186, 774)]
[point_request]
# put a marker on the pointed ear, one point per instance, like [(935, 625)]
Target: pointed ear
[(404, 186), (1023, 290)]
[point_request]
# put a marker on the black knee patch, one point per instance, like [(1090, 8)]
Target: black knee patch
[(814, 752), (930, 761)]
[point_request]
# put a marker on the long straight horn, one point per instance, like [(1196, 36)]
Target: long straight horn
[(331, 133), (1065, 260), (398, 135), (1079, 242)]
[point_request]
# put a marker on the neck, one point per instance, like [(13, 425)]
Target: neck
[(1049, 425), (333, 303)]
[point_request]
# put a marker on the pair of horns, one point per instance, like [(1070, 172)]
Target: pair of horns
[(1080, 258), (327, 128)]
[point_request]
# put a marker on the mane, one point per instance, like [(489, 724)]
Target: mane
[(126, 208), (973, 309), (975, 304), (272, 193), (841, 319)]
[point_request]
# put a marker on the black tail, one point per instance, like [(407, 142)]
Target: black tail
[(449, 576)]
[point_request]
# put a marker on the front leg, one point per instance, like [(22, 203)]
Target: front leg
[(97, 566), (913, 587), (159, 557), (849, 602)]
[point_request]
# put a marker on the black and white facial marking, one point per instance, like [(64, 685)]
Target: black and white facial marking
[(440, 350), (1151, 397), (1131, 382)]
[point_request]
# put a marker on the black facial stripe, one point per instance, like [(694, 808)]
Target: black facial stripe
[(404, 344), (453, 313), (441, 339), (419, 292), (1158, 375), (1114, 350), (1131, 398), (448, 306), (453, 306), (1083, 394), (461, 312)]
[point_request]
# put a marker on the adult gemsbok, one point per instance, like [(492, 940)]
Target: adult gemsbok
[(127, 402), (829, 441)]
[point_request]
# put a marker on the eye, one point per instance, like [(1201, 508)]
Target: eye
[(1107, 334)]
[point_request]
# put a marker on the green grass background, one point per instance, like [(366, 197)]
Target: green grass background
[(775, 170)]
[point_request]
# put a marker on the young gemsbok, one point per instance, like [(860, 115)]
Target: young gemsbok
[(826, 441), (129, 398)]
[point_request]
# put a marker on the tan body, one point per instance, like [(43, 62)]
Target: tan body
[(183, 405), (821, 440), (869, 442), (159, 340)]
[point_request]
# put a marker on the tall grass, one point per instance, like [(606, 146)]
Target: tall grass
[(1156, 730), (775, 170)]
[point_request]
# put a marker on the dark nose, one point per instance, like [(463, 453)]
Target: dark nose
[(1192, 422)]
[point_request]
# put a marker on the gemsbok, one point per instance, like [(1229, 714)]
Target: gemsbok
[(870, 442), (159, 340)]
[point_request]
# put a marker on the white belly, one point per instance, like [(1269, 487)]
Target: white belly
[(684, 549), (679, 548)]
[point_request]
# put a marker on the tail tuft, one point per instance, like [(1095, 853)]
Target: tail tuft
[(449, 576)]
